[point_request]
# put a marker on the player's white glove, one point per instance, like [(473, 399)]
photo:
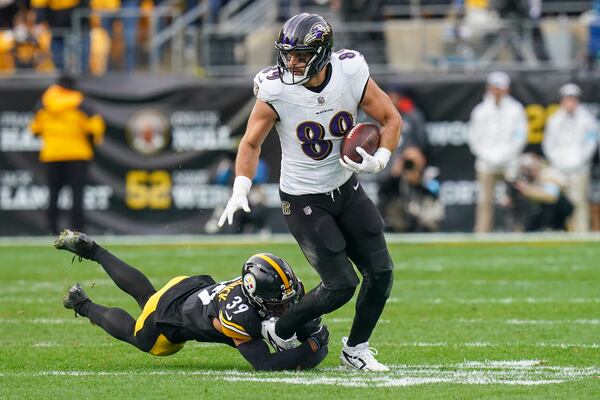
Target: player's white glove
[(238, 199), (278, 344), (371, 164)]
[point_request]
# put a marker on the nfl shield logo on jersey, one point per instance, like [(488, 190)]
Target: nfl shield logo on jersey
[(307, 210)]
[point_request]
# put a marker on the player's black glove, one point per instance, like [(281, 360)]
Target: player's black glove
[(320, 337), (307, 329)]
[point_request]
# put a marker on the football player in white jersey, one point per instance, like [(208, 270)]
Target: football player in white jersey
[(311, 97)]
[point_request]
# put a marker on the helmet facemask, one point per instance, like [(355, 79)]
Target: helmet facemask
[(303, 33), (287, 73)]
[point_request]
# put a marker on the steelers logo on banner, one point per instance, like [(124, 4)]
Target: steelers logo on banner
[(147, 131)]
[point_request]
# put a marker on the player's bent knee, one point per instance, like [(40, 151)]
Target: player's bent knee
[(163, 347), (381, 286), (331, 300)]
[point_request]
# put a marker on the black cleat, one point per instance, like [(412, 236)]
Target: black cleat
[(74, 297), (76, 242)]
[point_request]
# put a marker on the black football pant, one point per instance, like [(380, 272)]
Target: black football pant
[(116, 321), (66, 173), (332, 230)]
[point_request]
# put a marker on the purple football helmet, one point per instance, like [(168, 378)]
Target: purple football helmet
[(309, 33)]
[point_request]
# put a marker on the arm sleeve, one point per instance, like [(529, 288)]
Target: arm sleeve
[(256, 352), (96, 127), (590, 140)]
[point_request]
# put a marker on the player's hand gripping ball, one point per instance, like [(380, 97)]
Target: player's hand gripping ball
[(364, 135)]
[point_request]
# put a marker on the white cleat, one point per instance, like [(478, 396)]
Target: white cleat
[(360, 357), (277, 343)]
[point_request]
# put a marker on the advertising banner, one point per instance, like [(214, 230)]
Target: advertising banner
[(165, 163)]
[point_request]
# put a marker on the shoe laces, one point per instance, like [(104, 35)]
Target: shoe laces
[(368, 352), (363, 350)]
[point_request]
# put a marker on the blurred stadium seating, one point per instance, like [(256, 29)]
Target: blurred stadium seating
[(172, 36)]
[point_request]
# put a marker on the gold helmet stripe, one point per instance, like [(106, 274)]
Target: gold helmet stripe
[(277, 268)]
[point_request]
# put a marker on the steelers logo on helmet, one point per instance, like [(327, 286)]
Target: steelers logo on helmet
[(250, 283), (269, 284), (308, 37)]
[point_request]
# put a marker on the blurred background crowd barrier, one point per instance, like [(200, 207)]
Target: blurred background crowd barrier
[(217, 38)]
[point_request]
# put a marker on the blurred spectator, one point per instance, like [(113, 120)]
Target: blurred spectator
[(497, 135), (256, 220), (471, 24), (119, 18), (408, 189), (7, 44), (27, 45), (32, 43), (99, 47), (523, 18), (130, 10), (58, 15), (408, 195), (64, 122), (8, 10), (592, 20), (570, 141), (544, 187), (413, 126)]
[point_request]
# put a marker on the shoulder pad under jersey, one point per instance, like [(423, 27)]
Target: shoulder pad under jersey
[(267, 84), (352, 62), (238, 318)]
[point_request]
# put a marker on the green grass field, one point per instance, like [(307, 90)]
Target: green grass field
[(465, 320)]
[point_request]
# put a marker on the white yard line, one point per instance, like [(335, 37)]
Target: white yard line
[(502, 300), (502, 372), (530, 321)]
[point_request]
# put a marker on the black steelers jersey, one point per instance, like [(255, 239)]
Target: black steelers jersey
[(226, 302)]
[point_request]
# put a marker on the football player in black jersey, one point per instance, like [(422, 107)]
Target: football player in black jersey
[(198, 308)]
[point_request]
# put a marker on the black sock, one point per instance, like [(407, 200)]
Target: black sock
[(364, 322), (115, 321), (126, 277)]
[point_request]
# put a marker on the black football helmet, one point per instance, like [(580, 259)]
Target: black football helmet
[(308, 33), (269, 284)]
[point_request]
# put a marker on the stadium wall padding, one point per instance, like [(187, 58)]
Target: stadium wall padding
[(168, 135)]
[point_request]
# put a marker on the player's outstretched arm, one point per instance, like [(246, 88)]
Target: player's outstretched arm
[(308, 355), (260, 122)]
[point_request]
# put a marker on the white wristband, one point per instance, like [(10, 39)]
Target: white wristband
[(383, 156), (242, 185)]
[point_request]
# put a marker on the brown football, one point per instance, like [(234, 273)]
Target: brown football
[(365, 135)]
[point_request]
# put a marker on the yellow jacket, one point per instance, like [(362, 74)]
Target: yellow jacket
[(64, 127), (105, 5), (55, 4)]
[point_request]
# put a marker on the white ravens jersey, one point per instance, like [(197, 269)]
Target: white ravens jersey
[(311, 125)]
